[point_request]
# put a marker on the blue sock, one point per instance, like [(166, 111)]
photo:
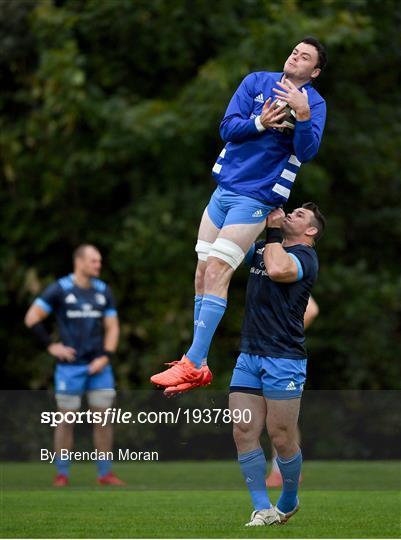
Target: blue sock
[(253, 467), (62, 466), (211, 313), (103, 466), (290, 471), (197, 308)]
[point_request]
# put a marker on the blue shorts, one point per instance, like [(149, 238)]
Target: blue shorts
[(274, 378), (75, 379), (228, 208)]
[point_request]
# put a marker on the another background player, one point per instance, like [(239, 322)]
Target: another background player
[(89, 331), (270, 373), (255, 172)]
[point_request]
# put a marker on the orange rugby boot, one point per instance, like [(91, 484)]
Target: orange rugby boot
[(179, 372), (61, 480), (206, 379), (110, 479)]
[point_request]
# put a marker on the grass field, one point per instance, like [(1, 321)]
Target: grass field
[(197, 500)]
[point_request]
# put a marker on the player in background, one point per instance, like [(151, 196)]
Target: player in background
[(88, 329), (255, 172), (275, 479), (270, 372)]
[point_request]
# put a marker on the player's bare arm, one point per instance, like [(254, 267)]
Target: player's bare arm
[(111, 336), (279, 265), (111, 333), (34, 315), (311, 312), (33, 320)]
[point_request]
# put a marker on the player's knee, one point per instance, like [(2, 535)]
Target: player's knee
[(200, 276), (66, 416), (203, 248), (227, 251), (281, 439), (216, 271), (102, 398), (244, 434)]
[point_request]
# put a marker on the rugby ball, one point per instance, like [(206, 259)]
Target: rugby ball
[(288, 121)]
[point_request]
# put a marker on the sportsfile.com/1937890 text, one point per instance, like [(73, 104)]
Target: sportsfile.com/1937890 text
[(114, 415)]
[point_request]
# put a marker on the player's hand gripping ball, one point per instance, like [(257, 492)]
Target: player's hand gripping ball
[(288, 121)]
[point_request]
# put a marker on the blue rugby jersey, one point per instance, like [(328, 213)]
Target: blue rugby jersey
[(79, 314), (274, 312), (264, 164)]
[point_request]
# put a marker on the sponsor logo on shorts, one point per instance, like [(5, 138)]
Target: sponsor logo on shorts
[(258, 213), (291, 386), (248, 480), (201, 324)]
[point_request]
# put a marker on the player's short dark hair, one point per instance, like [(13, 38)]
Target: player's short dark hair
[(321, 51), (318, 220), (80, 251)]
